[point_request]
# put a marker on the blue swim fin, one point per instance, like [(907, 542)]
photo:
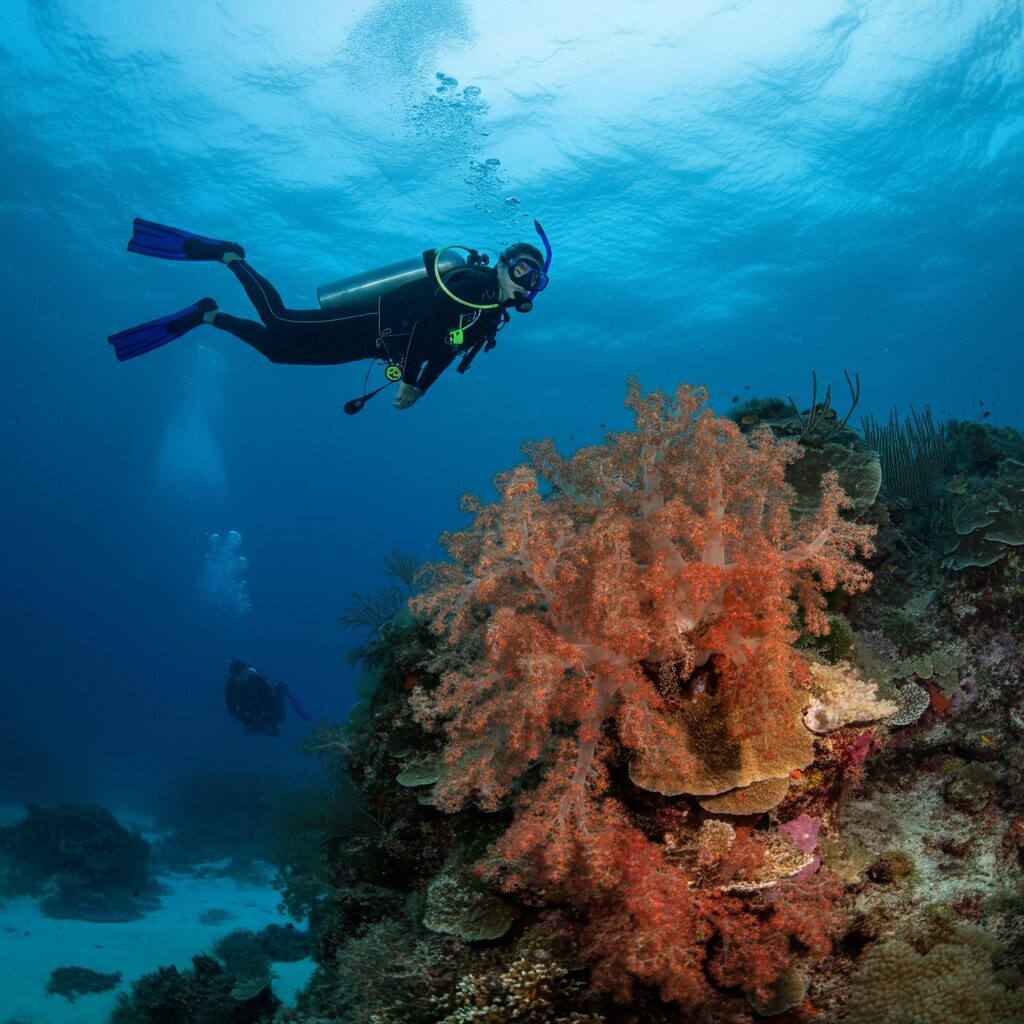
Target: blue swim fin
[(136, 341), (152, 239), (299, 706)]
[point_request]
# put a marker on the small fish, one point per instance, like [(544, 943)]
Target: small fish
[(735, 399), (830, 413), (985, 415), (746, 387), (750, 419), (987, 740)]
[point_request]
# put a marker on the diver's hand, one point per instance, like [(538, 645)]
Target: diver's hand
[(407, 394)]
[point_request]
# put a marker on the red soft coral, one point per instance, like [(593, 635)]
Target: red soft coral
[(643, 922), (576, 610), (669, 545), (646, 920)]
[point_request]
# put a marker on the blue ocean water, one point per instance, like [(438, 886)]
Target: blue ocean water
[(736, 191)]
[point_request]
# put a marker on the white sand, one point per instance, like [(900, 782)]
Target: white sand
[(31, 946)]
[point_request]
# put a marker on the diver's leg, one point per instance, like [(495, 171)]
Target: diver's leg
[(309, 344), (267, 338), (273, 312), (249, 331), (299, 336), (267, 299)]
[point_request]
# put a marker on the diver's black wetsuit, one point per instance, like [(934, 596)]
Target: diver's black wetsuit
[(410, 325), (253, 700)]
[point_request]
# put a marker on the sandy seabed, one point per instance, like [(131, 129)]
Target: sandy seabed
[(32, 946)]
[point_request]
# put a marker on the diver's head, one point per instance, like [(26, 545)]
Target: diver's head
[(520, 272), (238, 671)]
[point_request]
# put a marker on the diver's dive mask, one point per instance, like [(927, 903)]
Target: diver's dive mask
[(525, 274)]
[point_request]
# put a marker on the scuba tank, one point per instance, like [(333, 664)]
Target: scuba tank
[(361, 291)]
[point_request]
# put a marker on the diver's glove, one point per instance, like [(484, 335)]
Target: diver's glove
[(407, 394)]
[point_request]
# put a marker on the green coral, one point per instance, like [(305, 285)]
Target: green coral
[(422, 771), (243, 956), (787, 991)]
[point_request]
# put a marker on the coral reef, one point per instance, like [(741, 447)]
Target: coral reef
[(242, 954), (81, 861), (683, 732), (72, 982), (206, 994), (523, 991), (460, 906), (283, 943), (646, 599)]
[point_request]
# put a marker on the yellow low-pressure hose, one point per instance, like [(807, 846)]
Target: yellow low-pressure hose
[(451, 295)]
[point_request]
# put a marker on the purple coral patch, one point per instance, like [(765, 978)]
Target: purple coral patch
[(803, 831)]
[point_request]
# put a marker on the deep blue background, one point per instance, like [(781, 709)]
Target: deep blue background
[(736, 193)]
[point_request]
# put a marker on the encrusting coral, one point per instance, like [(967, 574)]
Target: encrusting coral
[(461, 906), (637, 604), (953, 982)]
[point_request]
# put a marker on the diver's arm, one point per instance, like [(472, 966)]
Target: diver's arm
[(408, 392), (434, 367), (429, 353), (407, 395), (427, 358)]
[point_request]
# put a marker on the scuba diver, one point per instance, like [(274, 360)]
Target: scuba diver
[(416, 316), (258, 703)]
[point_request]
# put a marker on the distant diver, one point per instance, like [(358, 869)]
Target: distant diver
[(258, 703), (415, 317)]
